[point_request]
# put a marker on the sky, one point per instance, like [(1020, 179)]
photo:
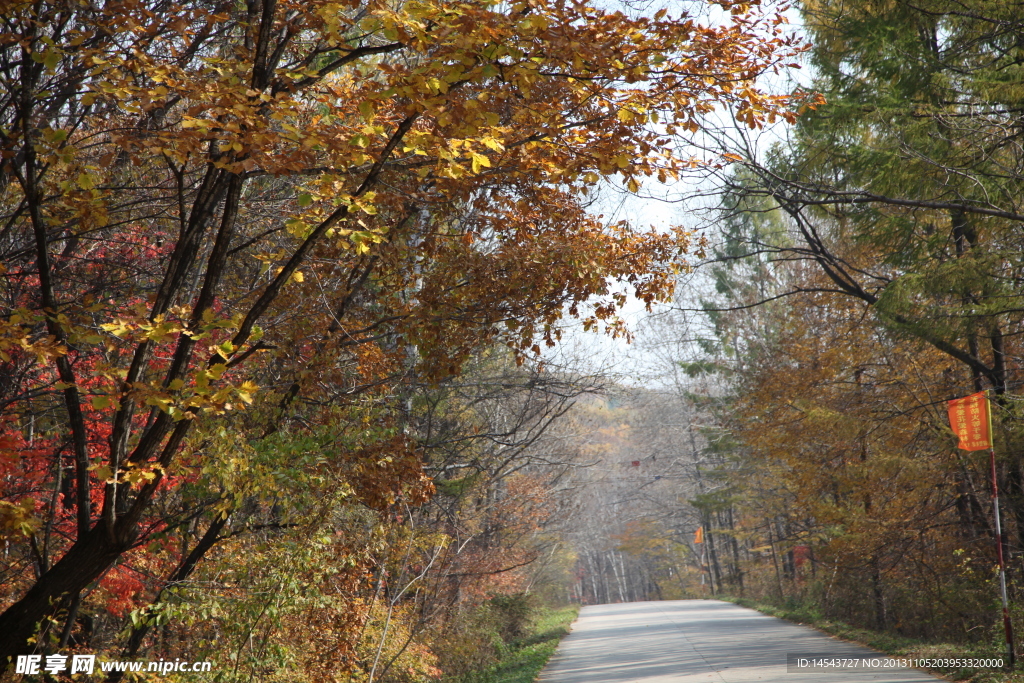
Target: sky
[(646, 361)]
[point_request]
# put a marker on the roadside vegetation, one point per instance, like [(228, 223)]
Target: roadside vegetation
[(523, 647)]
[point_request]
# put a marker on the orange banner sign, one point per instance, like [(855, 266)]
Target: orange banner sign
[(971, 420)]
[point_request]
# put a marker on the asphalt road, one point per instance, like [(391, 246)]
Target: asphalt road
[(705, 641)]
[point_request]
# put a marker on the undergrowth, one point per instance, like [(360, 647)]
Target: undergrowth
[(521, 658)]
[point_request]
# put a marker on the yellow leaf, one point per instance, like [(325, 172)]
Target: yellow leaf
[(491, 143), (479, 160), (85, 181)]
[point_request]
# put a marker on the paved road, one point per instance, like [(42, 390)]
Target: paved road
[(699, 641)]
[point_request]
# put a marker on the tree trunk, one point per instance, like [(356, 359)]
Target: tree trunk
[(881, 622), (85, 562)]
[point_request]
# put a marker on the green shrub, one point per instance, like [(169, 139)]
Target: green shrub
[(514, 614)]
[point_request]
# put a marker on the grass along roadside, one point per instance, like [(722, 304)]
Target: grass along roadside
[(890, 643), (522, 660)]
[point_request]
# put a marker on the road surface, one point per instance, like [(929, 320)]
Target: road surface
[(701, 641)]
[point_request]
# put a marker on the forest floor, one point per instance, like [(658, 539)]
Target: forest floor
[(894, 644)]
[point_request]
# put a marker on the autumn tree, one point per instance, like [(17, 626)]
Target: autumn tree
[(491, 442), (843, 486), (904, 187), (846, 455)]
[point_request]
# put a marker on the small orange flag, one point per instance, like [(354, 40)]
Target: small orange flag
[(971, 420), (698, 537)]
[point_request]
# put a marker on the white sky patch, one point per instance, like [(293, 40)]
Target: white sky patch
[(688, 202)]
